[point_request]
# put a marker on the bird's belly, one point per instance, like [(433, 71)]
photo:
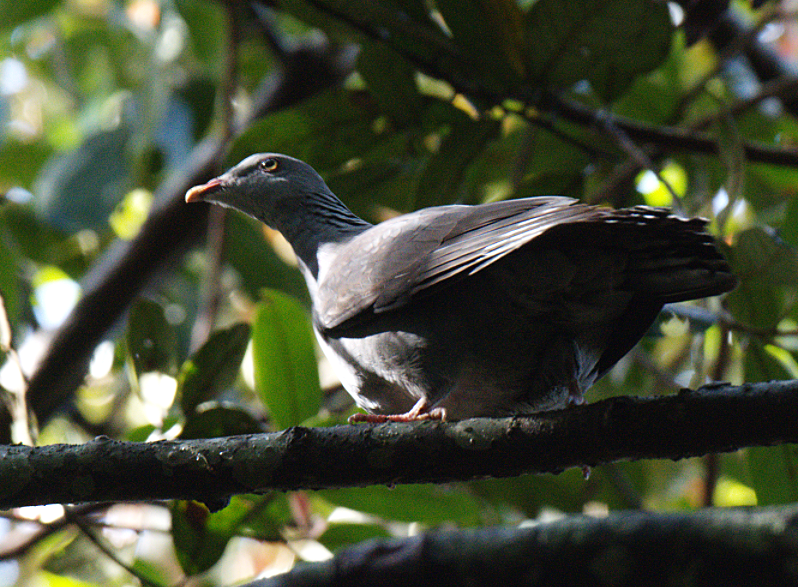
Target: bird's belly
[(382, 372), (469, 362)]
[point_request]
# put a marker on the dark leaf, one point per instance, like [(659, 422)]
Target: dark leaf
[(761, 363), (151, 341), (326, 131), (219, 421), (213, 367), (701, 16), (14, 13), (774, 473), (607, 42), (80, 189), (445, 170), (768, 272), (391, 81), (489, 34), (198, 539), (257, 263)]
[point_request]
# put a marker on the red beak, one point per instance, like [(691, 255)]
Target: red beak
[(198, 192)]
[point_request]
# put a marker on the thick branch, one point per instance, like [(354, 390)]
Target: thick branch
[(712, 419), (710, 547)]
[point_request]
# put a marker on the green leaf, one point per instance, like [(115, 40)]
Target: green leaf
[(200, 536), (326, 131), (257, 263), (445, 171), (149, 572), (263, 517), (391, 81), (789, 230), (432, 505), (198, 539), (207, 28), (286, 372), (151, 341), (213, 367), (34, 239), (338, 536), (80, 189), (774, 473), (20, 163), (608, 42), (10, 290), (219, 421), (490, 34), (768, 272), (53, 580), (761, 364), (528, 494), (14, 13)]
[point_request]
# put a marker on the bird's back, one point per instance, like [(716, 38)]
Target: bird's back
[(481, 326)]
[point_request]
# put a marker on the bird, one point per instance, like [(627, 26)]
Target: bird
[(459, 311)]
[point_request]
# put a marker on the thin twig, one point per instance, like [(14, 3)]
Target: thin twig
[(88, 531), (46, 529)]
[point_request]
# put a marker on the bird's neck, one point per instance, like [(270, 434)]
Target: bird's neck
[(322, 222)]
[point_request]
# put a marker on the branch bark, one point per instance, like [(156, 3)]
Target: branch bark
[(709, 547), (718, 418)]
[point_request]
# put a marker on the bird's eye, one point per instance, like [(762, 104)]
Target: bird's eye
[(268, 164)]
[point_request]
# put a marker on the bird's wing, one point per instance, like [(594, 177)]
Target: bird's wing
[(384, 267)]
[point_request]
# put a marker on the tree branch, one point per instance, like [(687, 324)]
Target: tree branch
[(670, 137), (718, 418), (709, 547)]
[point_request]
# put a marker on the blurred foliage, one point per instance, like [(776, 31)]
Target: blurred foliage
[(100, 100)]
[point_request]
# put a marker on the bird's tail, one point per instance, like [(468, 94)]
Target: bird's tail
[(671, 258)]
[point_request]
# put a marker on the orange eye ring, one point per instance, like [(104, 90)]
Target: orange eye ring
[(268, 164)]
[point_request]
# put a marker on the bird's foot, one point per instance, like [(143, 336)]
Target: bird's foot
[(575, 396), (420, 411)]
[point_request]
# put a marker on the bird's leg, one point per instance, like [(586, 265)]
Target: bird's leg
[(420, 411), (575, 396)]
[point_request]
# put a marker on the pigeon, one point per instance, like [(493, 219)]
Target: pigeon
[(453, 312)]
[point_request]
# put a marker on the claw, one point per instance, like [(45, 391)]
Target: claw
[(420, 411), (575, 396)]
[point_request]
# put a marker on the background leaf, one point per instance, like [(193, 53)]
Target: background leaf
[(774, 473), (286, 376), (213, 367), (14, 13), (605, 42), (429, 504), (81, 188), (151, 341)]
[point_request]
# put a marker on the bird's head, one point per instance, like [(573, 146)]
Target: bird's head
[(263, 186)]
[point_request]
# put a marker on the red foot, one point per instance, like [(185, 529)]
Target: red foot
[(420, 411)]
